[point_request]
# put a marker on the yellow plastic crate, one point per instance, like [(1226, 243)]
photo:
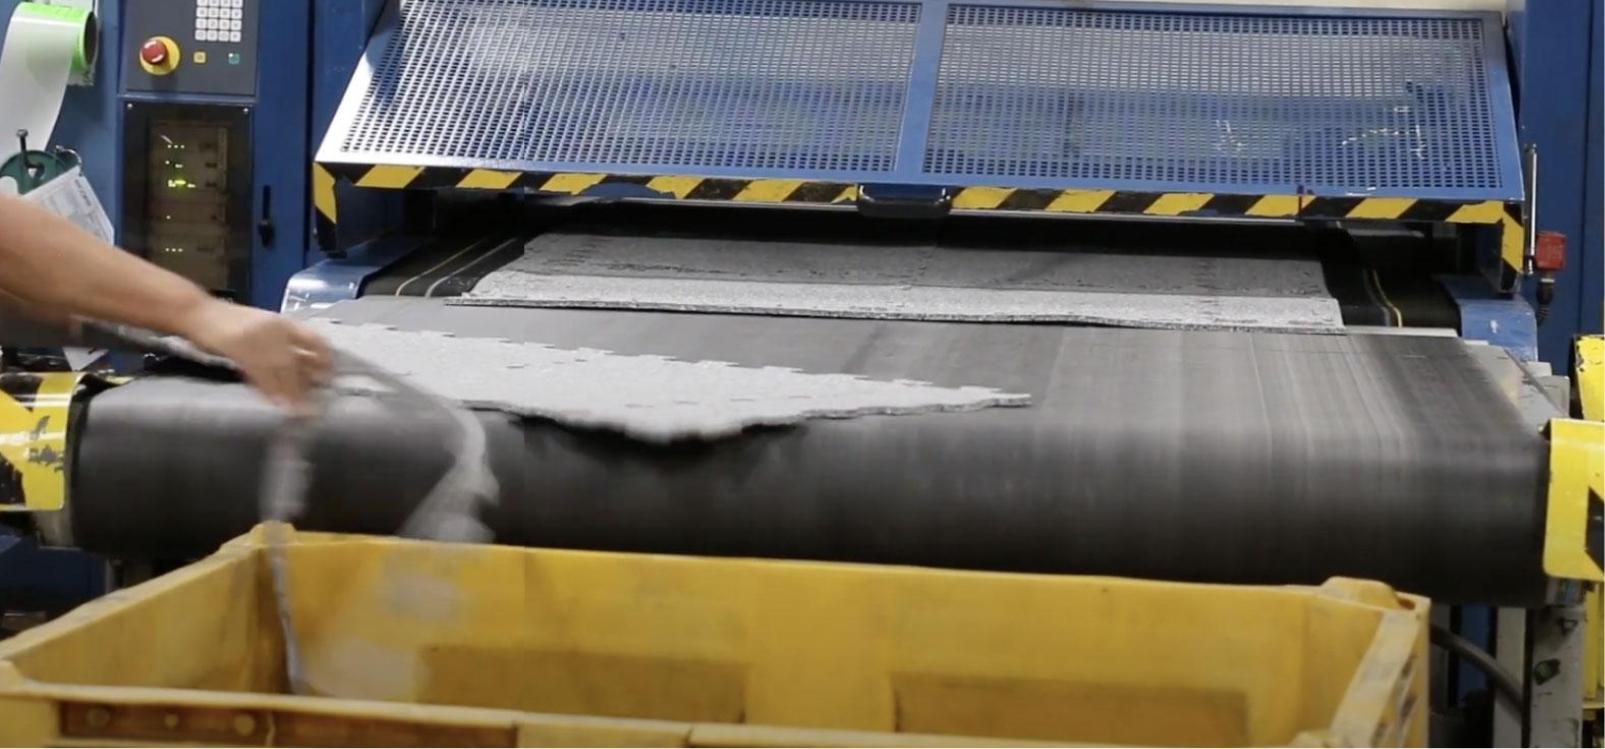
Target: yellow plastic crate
[(408, 643)]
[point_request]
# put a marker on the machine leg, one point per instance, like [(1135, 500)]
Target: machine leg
[(1510, 648), (1555, 676)]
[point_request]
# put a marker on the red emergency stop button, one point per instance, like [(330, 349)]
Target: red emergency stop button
[(159, 55), (154, 52)]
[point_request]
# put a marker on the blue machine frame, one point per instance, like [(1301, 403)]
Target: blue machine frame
[(1365, 138), (1556, 84)]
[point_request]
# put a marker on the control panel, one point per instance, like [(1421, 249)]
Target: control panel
[(191, 46), (201, 192)]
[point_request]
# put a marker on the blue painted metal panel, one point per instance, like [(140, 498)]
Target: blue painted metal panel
[(47, 580), (1020, 93), (282, 143), (1556, 48), (924, 78), (90, 116), (1591, 255), (1498, 319)]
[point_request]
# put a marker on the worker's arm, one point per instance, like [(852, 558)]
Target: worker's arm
[(58, 272)]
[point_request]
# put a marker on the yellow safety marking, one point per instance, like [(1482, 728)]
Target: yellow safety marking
[(488, 179), (768, 190), (390, 177), (849, 195), (1276, 206), (1178, 203), (1080, 201), (1591, 376), (33, 440), (1576, 477), (323, 192), (1513, 244), (1486, 212), (572, 184), (981, 198), (679, 187), (1382, 207)]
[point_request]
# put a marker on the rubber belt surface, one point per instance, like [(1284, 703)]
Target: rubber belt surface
[(1211, 456)]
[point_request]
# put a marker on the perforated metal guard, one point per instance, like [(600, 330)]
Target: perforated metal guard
[(1410, 104), (1335, 104), (760, 84)]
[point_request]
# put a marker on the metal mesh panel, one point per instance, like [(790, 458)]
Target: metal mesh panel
[(722, 84), (1213, 100)]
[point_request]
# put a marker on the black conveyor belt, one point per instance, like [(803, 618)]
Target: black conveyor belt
[(1164, 454)]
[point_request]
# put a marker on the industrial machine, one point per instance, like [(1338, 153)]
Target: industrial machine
[(1411, 435)]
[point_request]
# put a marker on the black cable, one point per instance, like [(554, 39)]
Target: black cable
[(1507, 684)]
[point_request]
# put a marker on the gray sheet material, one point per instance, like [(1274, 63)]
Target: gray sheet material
[(650, 398), (821, 279)]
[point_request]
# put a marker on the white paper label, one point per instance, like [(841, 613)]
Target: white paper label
[(71, 197)]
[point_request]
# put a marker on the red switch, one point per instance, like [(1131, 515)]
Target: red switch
[(154, 52), (159, 55), (1550, 252)]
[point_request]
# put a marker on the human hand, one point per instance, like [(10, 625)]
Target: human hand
[(278, 356)]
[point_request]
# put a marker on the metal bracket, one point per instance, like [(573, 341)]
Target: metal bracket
[(904, 201), (1576, 481)]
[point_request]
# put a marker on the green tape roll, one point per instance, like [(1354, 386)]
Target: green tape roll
[(83, 59)]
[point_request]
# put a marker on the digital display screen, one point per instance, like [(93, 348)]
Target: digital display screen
[(187, 200)]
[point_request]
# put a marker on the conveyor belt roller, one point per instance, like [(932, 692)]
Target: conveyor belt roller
[(1162, 454)]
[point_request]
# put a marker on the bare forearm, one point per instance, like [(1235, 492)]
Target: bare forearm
[(58, 271), (61, 271)]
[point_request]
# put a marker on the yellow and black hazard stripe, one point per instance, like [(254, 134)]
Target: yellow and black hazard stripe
[(1505, 215), (1116, 202), (678, 187), (1200, 204), (325, 177), (35, 409)]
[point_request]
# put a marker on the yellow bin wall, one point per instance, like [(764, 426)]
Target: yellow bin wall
[(413, 643)]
